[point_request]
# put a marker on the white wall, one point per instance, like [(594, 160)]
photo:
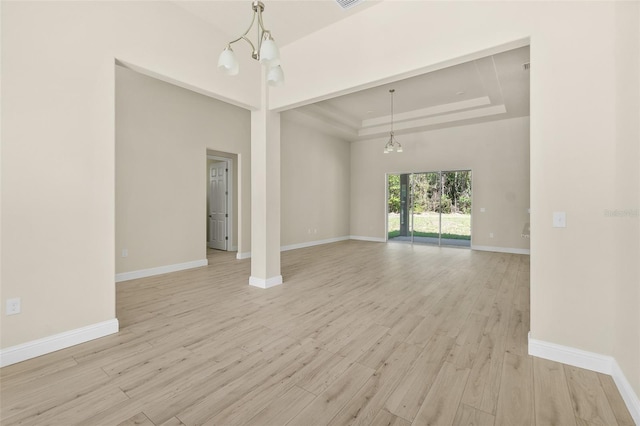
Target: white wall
[(315, 180), (576, 290), (58, 170), (497, 152), (163, 133)]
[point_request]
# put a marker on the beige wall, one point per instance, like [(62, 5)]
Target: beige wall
[(162, 136), (497, 153), (58, 142), (315, 177), (626, 229), (576, 299)]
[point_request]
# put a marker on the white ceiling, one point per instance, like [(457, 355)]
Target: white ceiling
[(287, 20), (490, 88)]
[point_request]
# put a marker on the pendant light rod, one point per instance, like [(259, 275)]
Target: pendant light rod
[(392, 91)]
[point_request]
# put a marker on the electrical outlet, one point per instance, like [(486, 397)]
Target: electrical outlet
[(490, 234), (13, 306), (482, 210), (125, 252)]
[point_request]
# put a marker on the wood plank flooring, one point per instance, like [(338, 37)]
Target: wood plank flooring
[(360, 333)]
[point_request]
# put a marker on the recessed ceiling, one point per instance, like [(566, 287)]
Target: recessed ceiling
[(490, 88)]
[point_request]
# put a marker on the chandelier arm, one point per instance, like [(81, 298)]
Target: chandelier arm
[(253, 48), (261, 23), (244, 35), (259, 32)]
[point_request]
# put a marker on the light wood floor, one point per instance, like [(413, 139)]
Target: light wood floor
[(362, 333)]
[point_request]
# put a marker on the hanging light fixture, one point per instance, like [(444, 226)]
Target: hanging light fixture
[(265, 50), (392, 144)]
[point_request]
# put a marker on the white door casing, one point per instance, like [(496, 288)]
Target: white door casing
[(218, 205)]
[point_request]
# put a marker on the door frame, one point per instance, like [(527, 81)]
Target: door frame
[(229, 162)]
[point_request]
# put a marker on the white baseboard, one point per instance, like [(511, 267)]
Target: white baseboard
[(628, 395), (590, 361), (571, 356), (313, 243), (142, 273), (265, 283), (245, 255), (374, 239), (501, 249), (35, 348)]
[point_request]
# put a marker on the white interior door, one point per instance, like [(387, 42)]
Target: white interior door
[(218, 205)]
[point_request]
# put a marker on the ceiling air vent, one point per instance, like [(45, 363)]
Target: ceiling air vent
[(526, 66), (346, 4)]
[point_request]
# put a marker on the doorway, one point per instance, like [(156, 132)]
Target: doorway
[(430, 207), (218, 203)]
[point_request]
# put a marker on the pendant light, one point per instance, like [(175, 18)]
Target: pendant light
[(392, 143), (265, 50)]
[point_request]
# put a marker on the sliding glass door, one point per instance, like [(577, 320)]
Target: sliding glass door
[(430, 207), (456, 207)]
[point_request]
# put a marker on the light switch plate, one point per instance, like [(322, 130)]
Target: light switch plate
[(559, 219)]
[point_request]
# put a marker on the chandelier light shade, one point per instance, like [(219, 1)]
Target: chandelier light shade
[(228, 62), (392, 143), (269, 53), (264, 50), (275, 76)]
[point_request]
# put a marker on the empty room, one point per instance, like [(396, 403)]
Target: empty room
[(320, 212)]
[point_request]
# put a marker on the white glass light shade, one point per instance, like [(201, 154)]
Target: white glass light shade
[(399, 148), (228, 62), (275, 76), (269, 53)]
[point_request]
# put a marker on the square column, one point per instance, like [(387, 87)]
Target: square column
[(265, 195)]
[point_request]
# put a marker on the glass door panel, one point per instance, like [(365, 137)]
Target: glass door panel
[(456, 208), (398, 207), (425, 201), (393, 206)]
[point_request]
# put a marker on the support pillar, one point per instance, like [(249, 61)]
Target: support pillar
[(265, 194)]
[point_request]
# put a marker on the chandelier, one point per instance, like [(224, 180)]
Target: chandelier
[(265, 50), (392, 144)]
